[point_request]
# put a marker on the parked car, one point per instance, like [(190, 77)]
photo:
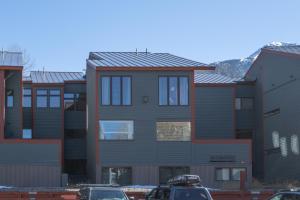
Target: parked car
[(102, 193), (184, 187), (289, 195)]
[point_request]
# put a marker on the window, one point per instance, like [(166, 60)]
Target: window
[(173, 90), (54, 98), (173, 131), (74, 102), (9, 98), (117, 175), (27, 134), (41, 98), (244, 103), (223, 174), (235, 173), (26, 98), (166, 173), (229, 174), (116, 90), (116, 130)]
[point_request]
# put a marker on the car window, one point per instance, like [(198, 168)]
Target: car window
[(276, 197), (190, 194), (152, 194), (290, 197), (107, 195), (163, 194)]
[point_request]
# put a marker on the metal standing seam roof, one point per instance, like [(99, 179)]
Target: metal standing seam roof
[(294, 49), (211, 77), (14, 59), (139, 59), (54, 77)]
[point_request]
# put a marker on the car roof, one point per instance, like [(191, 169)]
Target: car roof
[(106, 188)]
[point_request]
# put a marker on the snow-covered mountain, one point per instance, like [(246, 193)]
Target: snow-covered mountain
[(236, 68)]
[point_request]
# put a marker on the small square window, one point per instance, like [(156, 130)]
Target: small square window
[(9, 98), (27, 134)]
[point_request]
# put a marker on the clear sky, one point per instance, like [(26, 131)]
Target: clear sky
[(59, 34)]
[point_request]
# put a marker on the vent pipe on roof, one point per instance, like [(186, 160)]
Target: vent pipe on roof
[(146, 50), (136, 52)]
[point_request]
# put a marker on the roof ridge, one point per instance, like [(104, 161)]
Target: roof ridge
[(55, 71)]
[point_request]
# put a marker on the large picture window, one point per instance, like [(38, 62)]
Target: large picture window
[(27, 98), (166, 173), (116, 130), (173, 90), (173, 131), (117, 175), (54, 98), (116, 90), (41, 98)]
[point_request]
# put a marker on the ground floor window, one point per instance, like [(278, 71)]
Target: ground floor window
[(166, 173), (117, 175), (229, 174), (173, 131)]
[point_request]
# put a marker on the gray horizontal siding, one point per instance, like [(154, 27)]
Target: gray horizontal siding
[(75, 120), (75, 87), (22, 175), (245, 119), (75, 148), (48, 123), (214, 112), (21, 153)]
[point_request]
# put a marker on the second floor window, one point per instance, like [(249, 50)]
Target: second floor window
[(41, 98), (116, 90), (173, 90), (116, 129), (26, 98), (54, 98), (244, 103)]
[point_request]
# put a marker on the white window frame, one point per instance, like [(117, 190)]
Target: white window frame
[(103, 132)]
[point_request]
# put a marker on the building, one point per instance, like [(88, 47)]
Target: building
[(276, 74), (134, 118)]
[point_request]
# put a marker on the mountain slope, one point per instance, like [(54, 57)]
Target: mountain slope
[(237, 68)]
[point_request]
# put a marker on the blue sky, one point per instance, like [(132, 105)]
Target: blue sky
[(59, 34)]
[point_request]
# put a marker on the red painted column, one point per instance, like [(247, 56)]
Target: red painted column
[(2, 104)]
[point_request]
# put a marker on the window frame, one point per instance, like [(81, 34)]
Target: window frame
[(230, 173), (104, 120), (8, 106), (54, 95), (75, 99), (241, 107), (110, 77), (41, 95), (190, 126), (178, 77), (28, 96), (129, 168)]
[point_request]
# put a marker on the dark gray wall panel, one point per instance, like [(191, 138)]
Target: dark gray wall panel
[(75, 148), (75, 120), (23, 175), (75, 87), (214, 112), (48, 123), (21, 153), (13, 117)]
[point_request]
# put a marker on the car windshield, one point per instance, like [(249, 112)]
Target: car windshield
[(107, 195), (190, 194)]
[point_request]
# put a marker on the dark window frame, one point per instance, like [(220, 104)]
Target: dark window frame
[(241, 103), (28, 96), (121, 90), (76, 102), (7, 97), (178, 90), (54, 95), (230, 173), (42, 95), (118, 167)]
